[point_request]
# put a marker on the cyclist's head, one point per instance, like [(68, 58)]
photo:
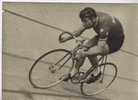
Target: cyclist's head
[(88, 14)]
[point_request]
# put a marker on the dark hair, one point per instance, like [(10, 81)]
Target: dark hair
[(87, 12)]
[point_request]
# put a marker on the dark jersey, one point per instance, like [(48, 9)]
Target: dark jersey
[(110, 28)]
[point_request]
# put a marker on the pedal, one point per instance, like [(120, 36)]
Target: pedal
[(93, 78)]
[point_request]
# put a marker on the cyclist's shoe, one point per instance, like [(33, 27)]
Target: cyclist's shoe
[(67, 77), (93, 78)]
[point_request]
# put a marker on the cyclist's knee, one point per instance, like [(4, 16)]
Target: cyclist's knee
[(79, 54)]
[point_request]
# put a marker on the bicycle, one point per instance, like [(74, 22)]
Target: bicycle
[(57, 63)]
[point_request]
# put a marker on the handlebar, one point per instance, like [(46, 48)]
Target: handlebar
[(68, 34), (74, 37)]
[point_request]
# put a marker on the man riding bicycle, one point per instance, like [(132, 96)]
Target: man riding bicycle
[(109, 38)]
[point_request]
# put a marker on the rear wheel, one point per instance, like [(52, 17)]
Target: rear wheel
[(49, 69), (109, 73)]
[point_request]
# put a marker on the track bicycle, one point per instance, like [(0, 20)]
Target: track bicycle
[(51, 68)]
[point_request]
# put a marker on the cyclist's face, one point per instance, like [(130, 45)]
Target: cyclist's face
[(88, 22)]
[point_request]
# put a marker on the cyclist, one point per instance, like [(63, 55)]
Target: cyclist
[(109, 38)]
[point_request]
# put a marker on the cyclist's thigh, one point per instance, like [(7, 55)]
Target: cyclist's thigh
[(92, 42)]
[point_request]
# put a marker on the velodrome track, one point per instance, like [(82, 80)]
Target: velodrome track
[(24, 41)]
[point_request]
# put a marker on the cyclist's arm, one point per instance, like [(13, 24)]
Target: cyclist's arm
[(101, 45), (76, 33), (79, 31)]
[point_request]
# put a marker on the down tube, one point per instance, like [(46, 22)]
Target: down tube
[(65, 61)]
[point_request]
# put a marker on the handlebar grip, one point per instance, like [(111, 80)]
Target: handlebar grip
[(68, 33), (60, 39), (60, 36)]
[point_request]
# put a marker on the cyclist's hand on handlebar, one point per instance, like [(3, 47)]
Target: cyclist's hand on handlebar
[(63, 39), (64, 36)]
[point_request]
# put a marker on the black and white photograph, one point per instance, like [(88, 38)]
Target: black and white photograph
[(69, 51)]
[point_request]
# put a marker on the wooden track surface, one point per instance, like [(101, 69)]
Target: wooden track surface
[(24, 41)]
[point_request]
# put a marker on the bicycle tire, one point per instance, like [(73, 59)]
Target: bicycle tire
[(35, 81), (83, 86)]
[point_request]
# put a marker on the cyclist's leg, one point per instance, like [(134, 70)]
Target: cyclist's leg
[(94, 61), (87, 45), (91, 43), (94, 51), (78, 64), (92, 55)]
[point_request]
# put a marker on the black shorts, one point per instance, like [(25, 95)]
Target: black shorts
[(115, 43)]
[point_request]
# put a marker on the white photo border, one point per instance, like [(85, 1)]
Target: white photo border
[(51, 1)]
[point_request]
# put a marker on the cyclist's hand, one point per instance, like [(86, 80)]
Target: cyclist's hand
[(63, 39)]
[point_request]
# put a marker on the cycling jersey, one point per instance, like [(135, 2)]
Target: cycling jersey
[(109, 28)]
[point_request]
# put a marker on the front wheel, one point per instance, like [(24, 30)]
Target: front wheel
[(49, 69), (109, 73)]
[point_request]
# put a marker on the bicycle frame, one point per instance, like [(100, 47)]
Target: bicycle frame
[(64, 61), (102, 59)]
